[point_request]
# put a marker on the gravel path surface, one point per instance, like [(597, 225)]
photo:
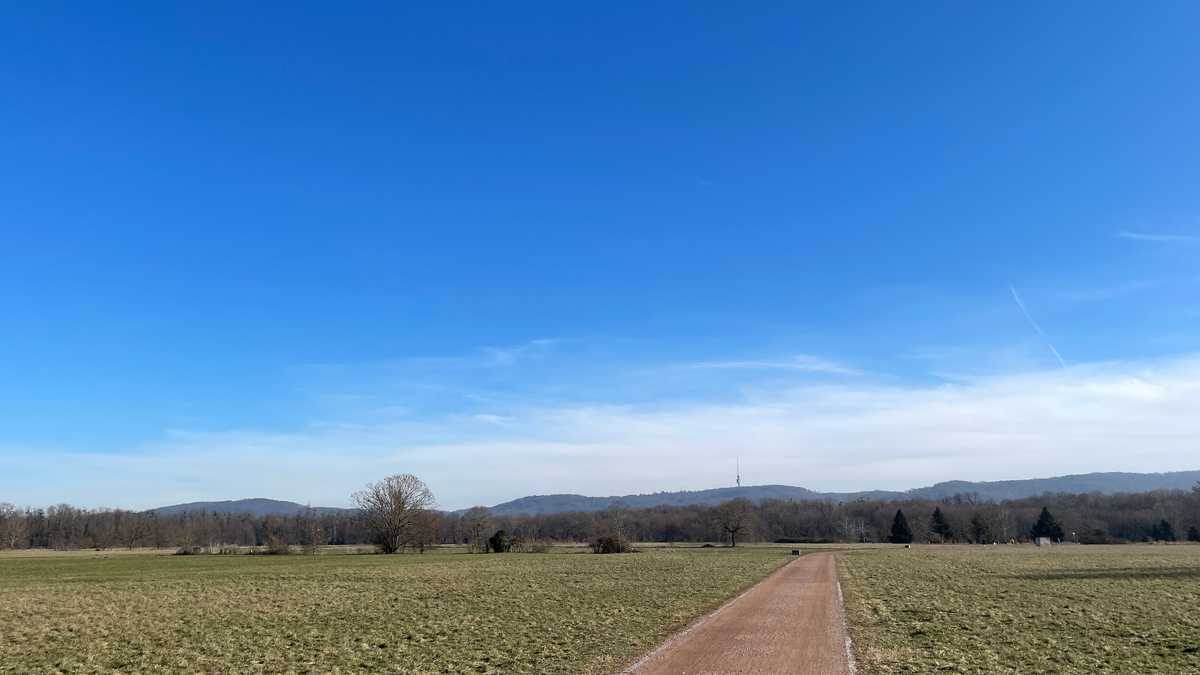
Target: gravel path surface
[(792, 623)]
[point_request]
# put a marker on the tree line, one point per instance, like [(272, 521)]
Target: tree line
[(399, 514), (65, 527)]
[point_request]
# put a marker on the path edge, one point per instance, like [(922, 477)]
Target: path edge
[(850, 664)]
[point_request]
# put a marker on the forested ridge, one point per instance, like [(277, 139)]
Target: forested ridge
[(965, 517), (1107, 483)]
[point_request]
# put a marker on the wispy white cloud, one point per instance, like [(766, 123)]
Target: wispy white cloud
[(1161, 238), (513, 356), (1038, 329), (803, 362), (846, 436), (492, 419)]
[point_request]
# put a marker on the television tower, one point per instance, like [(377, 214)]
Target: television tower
[(739, 472)]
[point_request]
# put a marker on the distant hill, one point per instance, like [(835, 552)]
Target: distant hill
[(1107, 483), (255, 507), (560, 503)]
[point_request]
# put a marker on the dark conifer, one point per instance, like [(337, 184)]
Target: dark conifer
[(499, 542), (939, 526), (1193, 534), (1047, 526), (901, 532), (979, 531), (1163, 531)]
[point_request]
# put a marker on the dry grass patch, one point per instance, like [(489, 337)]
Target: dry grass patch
[(983, 609), (434, 613)]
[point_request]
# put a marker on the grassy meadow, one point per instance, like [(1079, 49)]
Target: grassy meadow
[(985, 609), (433, 613)]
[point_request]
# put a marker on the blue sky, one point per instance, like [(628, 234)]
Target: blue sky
[(284, 249)]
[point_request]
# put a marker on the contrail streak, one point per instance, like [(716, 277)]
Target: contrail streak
[(1039, 330)]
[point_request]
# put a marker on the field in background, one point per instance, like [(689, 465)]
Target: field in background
[(563, 612), (985, 609)]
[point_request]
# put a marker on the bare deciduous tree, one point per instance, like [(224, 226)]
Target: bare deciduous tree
[(13, 530), (204, 530), (313, 538), (990, 523), (525, 532), (575, 526), (735, 516), (478, 522), (618, 513), (128, 527), (428, 531), (160, 532), (390, 509)]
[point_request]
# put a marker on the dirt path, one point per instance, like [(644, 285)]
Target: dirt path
[(790, 624)]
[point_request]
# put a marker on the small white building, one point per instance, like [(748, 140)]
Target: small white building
[(1041, 541)]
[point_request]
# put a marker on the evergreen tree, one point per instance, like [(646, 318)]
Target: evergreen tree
[(979, 531), (939, 526), (499, 542), (901, 532), (1168, 531), (1047, 526), (1193, 534), (1164, 531)]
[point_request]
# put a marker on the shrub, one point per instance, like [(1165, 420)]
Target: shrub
[(611, 544), (1099, 536), (1193, 534), (499, 542), (277, 546)]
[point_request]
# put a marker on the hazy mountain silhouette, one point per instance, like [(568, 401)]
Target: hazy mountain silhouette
[(255, 507), (1107, 483)]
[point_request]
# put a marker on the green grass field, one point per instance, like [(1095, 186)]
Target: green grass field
[(957, 609), (432, 613), (984, 609)]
